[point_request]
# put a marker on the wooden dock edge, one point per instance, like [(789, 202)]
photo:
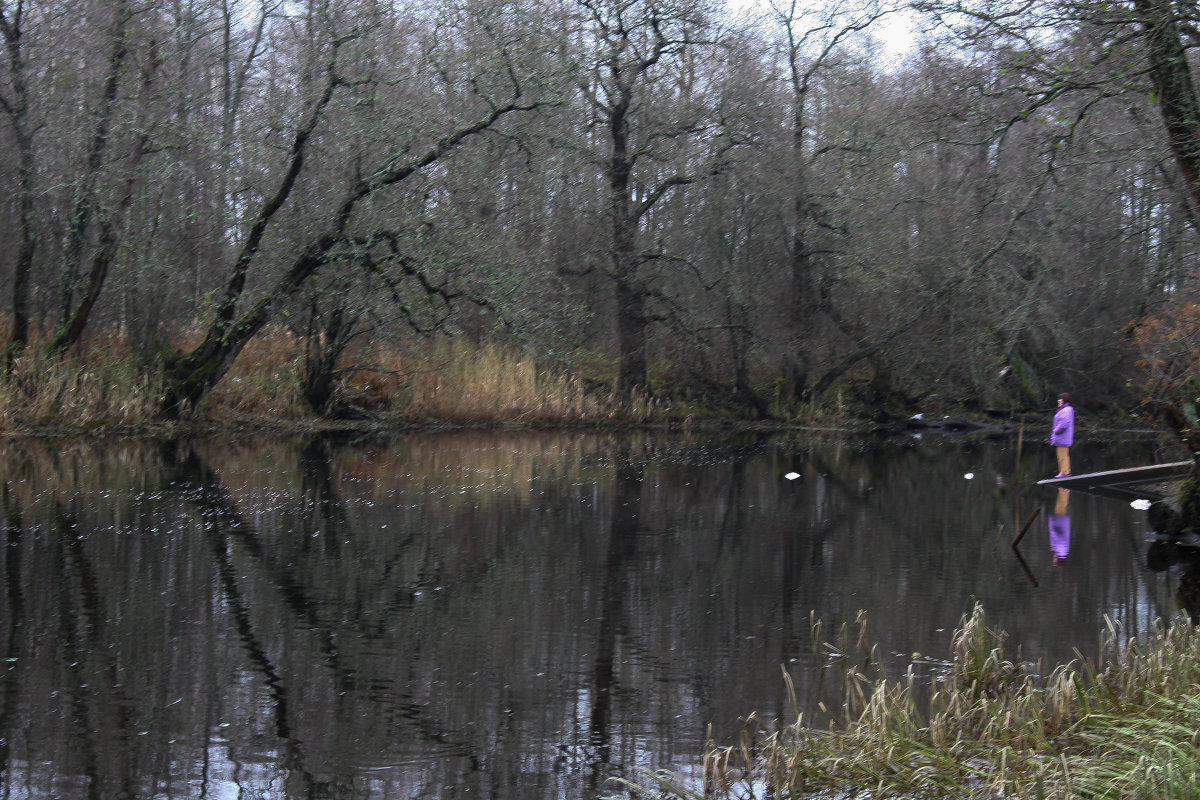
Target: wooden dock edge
[(1122, 482)]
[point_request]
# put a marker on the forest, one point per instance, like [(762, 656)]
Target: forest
[(757, 206)]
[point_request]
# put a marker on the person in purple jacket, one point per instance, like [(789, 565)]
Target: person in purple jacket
[(1062, 434)]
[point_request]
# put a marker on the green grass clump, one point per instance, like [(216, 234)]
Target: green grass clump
[(990, 728)]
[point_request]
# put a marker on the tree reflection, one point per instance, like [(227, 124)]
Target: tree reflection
[(622, 548), (504, 614), (1175, 545), (13, 622), (222, 524)]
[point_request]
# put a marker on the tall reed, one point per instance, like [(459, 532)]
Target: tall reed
[(262, 386), (992, 728), (77, 393), (456, 381), (462, 382)]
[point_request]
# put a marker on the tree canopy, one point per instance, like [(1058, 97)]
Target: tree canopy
[(758, 206)]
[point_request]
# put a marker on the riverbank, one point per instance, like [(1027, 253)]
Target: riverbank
[(452, 384), (985, 726), (105, 392)]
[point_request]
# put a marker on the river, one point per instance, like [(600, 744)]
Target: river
[(505, 614)]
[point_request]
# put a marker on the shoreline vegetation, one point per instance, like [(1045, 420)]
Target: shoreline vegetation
[(982, 726), (106, 389)]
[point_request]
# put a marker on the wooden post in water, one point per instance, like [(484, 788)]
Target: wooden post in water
[(1025, 528), (1017, 475)]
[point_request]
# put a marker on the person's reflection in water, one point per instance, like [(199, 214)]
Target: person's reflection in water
[(1059, 524)]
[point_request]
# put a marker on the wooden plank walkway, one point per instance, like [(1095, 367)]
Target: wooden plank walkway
[(1122, 483)]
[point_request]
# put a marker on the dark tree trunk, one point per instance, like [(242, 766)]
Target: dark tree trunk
[(326, 341), (17, 108), (106, 252), (630, 294), (800, 317), (85, 202), (1177, 100), (190, 376), (631, 334)]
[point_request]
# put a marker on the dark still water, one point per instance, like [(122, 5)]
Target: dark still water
[(502, 615)]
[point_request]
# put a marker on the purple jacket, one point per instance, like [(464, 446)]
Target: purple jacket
[(1063, 432), (1060, 534)]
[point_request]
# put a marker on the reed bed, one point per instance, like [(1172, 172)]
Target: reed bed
[(991, 728), (105, 386), (262, 385), (468, 383), (77, 393)]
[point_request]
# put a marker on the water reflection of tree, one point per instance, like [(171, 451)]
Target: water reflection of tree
[(622, 549), (13, 620), (481, 612), (95, 688), (1168, 551), (347, 672), (323, 511), (73, 707), (322, 642), (222, 524)]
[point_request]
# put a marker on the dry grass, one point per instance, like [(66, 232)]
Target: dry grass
[(992, 728), (461, 382), (263, 384), (103, 386), (77, 393)]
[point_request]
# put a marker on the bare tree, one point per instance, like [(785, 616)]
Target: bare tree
[(1048, 51), (812, 42), (473, 103), (644, 122)]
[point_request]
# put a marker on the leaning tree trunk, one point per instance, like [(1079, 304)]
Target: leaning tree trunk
[(190, 376), (1176, 91), (86, 201), (72, 326)]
